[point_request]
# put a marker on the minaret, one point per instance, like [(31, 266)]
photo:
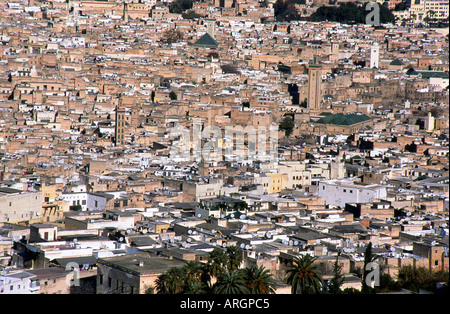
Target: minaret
[(125, 12), (211, 27), (120, 125), (374, 55), (314, 86)]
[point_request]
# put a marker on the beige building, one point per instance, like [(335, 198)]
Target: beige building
[(431, 9), (18, 206), (131, 274)]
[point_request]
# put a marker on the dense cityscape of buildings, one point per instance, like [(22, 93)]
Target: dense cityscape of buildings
[(107, 160)]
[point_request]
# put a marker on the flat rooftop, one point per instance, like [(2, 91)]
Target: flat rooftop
[(141, 264)]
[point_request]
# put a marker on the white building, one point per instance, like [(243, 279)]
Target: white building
[(374, 55), (340, 192), (87, 201), (17, 282)]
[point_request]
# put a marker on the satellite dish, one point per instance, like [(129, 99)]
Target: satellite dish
[(392, 249), (75, 240), (121, 239), (247, 247), (189, 240), (190, 231), (295, 242), (242, 217), (199, 216), (242, 245)]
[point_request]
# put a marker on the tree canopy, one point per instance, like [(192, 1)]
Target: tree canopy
[(179, 6), (350, 13)]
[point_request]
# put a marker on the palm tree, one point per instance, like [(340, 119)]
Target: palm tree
[(303, 276), (196, 277), (195, 287), (193, 270), (160, 284), (259, 280), (234, 254), (217, 261), (171, 282), (230, 283)]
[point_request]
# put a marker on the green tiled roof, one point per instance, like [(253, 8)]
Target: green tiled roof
[(397, 62), (411, 72), (438, 74), (206, 41), (341, 119)]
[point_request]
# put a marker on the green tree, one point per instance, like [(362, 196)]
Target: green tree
[(171, 282), (415, 278), (234, 258), (217, 262), (304, 276), (195, 287), (369, 257), (193, 271), (149, 290), (338, 278), (170, 36), (287, 125), (179, 6), (387, 283), (259, 280), (350, 13), (304, 103), (173, 95), (284, 10), (230, 283), (190, 15)]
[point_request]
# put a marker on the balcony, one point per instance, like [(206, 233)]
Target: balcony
[(34, 286)]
